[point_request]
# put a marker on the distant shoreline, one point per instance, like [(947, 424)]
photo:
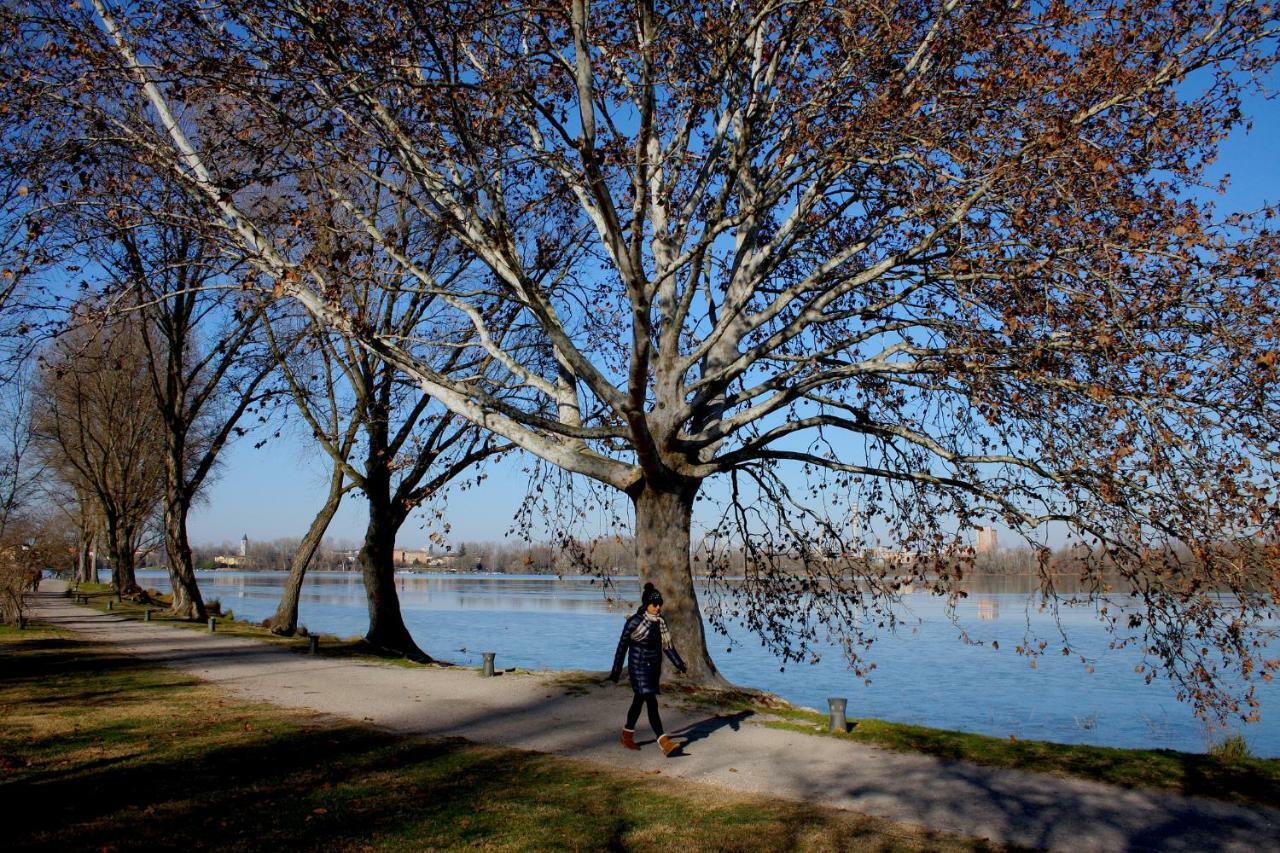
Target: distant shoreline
[(974, 584)]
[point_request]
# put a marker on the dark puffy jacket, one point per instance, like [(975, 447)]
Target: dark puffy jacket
[(644, 659)]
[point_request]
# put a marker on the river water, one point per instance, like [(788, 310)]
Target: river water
[(924, 674)]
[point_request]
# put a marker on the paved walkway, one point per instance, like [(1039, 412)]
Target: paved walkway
[(531, 712)]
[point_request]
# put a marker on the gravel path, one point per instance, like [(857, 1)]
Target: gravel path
[(531, 711)]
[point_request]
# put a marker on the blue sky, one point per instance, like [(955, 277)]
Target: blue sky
[(274, 491)]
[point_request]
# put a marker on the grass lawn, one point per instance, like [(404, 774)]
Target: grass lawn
[(100, 751), (1242, 780)]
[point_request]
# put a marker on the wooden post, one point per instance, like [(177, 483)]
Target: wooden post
[(213, 624), (488, 664), (315, 644)]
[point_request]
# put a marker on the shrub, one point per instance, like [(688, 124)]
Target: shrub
[(21, 560), (12, 584), (1231, 749)]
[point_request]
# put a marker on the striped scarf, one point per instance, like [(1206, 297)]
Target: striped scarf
[(646, 624)]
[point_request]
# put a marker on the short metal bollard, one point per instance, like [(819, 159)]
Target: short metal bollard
[(488, 664), (111, 605), (213, 624), (838, 723), (146, 616), (315, 644)]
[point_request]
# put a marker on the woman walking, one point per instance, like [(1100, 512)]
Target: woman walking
[(644, 638)]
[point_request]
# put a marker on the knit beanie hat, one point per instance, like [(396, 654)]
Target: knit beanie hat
[(650, 595)]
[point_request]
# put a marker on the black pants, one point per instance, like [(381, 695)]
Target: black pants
[(651, 702)]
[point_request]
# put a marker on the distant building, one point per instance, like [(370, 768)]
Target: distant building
[(423, 559), (230, 562), (244, 545), (987, 542), (411, 557), (894, 557)]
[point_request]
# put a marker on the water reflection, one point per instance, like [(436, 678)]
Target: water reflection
[(953, 670)]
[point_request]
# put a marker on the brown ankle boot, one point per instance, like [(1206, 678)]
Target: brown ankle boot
[(629, 739), (667, 745)]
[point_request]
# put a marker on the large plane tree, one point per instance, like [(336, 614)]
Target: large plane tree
[(948, 258)]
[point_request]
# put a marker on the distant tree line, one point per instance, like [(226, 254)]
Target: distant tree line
[(275, 554), (604, 555)]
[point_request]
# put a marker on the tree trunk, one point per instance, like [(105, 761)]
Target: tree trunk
[(86, 562), (285, 620), (120, 551), (377, 561), (87, 533), (663, 520), (187, 601)]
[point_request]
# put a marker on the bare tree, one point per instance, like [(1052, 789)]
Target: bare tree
[(86, 520), (199, 327), (316, 386), (30, 493), (26, 249), (20, 468), (29, 538), (943, 257), (206, 370), (98, 431), (359, 404)]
